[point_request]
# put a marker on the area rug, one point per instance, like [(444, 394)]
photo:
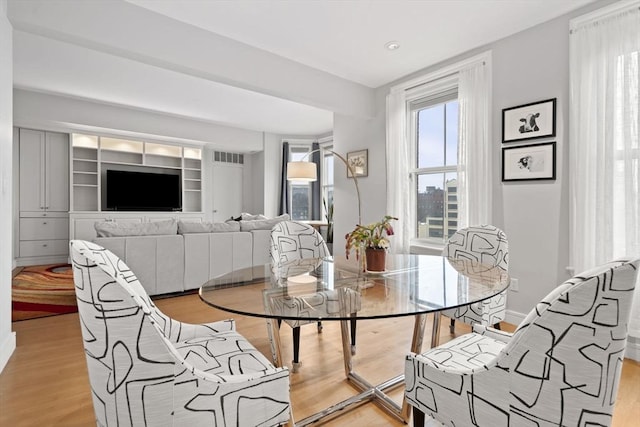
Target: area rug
[(43, 290)]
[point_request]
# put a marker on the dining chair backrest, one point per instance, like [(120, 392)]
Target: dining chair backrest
[(565, 357), (484, 243), (148, 369), (292, 240)]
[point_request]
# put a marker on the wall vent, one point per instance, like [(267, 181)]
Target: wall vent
[(221, 156)]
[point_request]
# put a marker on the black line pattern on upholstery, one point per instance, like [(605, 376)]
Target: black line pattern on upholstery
[(147, 369), (292, 240), (486, 244), (560, 367)]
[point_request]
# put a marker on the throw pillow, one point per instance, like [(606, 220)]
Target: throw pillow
[(248, 217), (154, 228)]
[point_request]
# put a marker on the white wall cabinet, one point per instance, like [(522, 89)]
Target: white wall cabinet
[(43, 170)]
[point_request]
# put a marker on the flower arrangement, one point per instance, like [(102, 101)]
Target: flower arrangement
[(369, 236)]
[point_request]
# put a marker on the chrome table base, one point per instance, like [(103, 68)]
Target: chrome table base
[(368, 391)]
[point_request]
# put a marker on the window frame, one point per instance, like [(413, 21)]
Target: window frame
[(426, 95), (299, 145), (326, 149)]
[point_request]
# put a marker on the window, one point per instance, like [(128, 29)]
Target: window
[(300, 191), (434, 138), (327, 180)]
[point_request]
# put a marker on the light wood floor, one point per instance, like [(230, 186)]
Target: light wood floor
[(45, 382)]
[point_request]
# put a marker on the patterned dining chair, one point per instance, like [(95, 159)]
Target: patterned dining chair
[(147, 369), (486, 244), (292, 241), (560, 367)]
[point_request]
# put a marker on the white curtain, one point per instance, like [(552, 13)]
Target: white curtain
[(603, 146), (398, 164), (474, 150)]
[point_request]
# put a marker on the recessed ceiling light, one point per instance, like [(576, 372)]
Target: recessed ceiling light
[(392, 45)]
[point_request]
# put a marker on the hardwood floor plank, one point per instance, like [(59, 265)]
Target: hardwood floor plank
[(45, 382)]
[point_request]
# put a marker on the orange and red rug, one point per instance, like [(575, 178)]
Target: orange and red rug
[(43, 290)]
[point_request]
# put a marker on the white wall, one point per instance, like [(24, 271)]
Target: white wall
[(7, 338), (58, 113), (529, 66), (354, 134)]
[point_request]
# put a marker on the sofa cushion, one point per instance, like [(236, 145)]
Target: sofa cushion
[(154, 228), (262, 224), (185, 227)]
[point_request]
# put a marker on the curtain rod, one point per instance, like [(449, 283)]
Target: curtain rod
[(446, 71), (606, 12), (453, 73)]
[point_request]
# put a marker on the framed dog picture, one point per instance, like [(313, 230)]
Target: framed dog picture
[(529, 162), (529, 121)]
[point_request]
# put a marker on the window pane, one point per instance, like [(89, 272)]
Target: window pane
[(430, 135), (452, 133), (328, 169), (437, 205), (299, 201)]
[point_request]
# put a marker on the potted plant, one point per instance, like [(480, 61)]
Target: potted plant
[(371, 239)]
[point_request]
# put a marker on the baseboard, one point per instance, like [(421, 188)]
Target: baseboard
[(58, 259), (6, 349), (632, 351), (15, 271), (514, 317)]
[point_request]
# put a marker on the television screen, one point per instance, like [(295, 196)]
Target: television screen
[(143, 191)]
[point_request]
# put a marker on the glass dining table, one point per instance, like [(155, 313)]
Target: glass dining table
[(336, 289)]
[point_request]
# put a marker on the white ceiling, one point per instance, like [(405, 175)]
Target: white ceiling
[(343, 38), (347, 37)]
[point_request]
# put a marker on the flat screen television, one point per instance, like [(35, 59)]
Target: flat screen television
[(143, 191)]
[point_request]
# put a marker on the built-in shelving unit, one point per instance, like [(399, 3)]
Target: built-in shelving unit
[(92, 156)]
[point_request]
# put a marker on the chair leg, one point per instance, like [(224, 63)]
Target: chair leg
[(418, 417), (319, 327), (452, 326), (497, 326), (353, 334), (296, 349)]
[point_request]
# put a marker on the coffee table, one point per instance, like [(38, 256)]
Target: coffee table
[(336, 289)]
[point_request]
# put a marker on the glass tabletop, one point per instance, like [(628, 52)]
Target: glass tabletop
[(337, 289)]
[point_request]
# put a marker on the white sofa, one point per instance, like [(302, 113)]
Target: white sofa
[(167, 262)]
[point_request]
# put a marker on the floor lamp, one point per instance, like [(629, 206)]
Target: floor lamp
[(308, 171)]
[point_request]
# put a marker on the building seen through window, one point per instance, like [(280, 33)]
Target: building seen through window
[(435, 133)]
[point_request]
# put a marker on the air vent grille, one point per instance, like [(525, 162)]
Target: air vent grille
[(221, 156)]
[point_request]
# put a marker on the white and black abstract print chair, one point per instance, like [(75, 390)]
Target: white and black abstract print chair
[(486, 244), (146, 369), (560, 367), (292, 241)]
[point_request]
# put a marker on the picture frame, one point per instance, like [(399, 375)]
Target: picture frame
[(529, 162), (359, 162), (529, 121)]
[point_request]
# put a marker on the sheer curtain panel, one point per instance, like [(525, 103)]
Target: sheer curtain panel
[(398, 164), (474, 152), (604, 151)]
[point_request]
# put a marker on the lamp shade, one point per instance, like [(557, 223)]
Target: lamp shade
[(301, 171)]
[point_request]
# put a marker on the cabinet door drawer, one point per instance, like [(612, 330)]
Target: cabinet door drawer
[(44, 247), (44, 228)]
